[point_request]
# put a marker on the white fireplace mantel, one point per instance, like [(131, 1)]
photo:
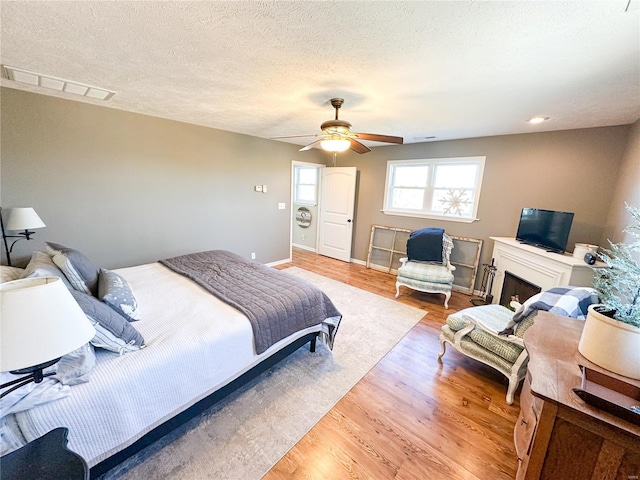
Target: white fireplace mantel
[(536, 265)]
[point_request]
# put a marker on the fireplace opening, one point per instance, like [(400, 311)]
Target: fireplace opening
[(516, 288)]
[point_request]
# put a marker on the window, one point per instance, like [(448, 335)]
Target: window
[(442, 188), (306, 185)]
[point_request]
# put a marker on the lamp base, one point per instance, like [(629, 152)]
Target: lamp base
[(34, 374)]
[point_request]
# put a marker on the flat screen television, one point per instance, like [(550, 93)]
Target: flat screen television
[(545, 228)]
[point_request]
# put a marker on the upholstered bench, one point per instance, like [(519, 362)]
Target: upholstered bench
[(474, 333)]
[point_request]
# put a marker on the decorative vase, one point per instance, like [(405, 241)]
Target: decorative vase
[(610, 344)]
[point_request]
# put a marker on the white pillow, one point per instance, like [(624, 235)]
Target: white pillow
[(41, 265), (8, 274)]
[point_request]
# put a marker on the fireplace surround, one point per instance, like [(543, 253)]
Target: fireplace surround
[(537, 266)]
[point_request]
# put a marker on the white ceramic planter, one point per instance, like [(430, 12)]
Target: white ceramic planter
[(610, 344)]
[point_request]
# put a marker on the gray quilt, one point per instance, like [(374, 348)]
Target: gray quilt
[(277, 304)]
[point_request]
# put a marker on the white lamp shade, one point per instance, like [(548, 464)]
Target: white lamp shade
[(335, 144), (24, 218), (39, 322)]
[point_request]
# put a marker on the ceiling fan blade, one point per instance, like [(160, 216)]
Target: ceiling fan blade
[(358, 147), (295, 136), (379, 138), (310, 146)]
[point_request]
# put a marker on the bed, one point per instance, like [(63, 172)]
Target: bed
[(197, 350)]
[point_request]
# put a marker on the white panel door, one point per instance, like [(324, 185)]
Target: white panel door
[(338, 192)]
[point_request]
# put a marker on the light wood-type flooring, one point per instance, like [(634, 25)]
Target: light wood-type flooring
[(410, 417)]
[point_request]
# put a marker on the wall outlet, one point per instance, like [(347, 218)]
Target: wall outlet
[(302, 237), (264, 189), (253, 255), (281, 206), (258, 188)]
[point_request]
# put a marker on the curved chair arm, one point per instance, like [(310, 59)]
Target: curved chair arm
[(509, 338)]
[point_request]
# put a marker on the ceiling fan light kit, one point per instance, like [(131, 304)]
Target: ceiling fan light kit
[(335, 144), (337, 136)]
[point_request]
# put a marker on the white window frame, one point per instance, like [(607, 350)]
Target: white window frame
[(428, 189), (296, 169)]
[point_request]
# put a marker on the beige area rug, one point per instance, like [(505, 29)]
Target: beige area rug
[(244, 435)]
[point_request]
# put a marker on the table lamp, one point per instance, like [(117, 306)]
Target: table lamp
[(39, 323)]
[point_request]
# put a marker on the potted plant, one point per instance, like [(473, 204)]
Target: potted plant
[(611, 335)]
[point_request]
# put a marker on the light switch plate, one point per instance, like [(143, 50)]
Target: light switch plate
[(281, 206), (258, 188)]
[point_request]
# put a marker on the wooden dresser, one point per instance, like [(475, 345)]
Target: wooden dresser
[(558, 436)]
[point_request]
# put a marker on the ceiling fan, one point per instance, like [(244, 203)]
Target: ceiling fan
[(337, 136)]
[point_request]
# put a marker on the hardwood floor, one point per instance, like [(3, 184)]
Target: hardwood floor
[(410, 417)]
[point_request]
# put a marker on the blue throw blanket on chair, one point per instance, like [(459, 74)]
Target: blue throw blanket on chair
[(425, 245), (566, 301)]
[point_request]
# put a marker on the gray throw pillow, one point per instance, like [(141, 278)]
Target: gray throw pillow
[(81, 272), (113, 332), (116, 292), (41, 265)]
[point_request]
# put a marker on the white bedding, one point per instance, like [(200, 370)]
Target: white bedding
[(195, 344)]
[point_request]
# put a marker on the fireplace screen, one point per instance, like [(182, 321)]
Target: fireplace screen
[(516, 288)]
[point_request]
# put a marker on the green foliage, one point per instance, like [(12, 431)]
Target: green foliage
[(619, 285)]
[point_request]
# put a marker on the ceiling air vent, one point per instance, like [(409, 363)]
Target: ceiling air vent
[(60, 84)]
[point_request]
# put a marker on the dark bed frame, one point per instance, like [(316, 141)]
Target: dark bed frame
[(199, 407)]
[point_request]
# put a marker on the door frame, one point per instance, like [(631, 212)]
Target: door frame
[(319, 166)]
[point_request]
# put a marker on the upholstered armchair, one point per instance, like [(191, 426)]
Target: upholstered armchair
[(492, 334), (474, 333), (427, 273)]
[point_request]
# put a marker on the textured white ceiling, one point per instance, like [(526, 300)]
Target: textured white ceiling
[(412, 69)]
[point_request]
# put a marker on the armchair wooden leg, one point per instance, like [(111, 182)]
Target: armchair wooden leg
[(447, 296), (397, 290), (443, 347), (514, 381)]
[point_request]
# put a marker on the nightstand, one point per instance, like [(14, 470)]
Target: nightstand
[(46, 458)]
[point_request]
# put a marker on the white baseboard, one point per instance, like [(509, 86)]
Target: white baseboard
[(358, 262), (304, 247), (279, 262)]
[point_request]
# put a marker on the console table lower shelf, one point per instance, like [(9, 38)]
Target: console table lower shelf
[(557, 435)]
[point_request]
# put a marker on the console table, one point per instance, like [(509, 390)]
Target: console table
[(537, 266), (557, 435)]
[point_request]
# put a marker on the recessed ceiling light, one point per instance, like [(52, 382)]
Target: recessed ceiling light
[(59, 84), (538, 119)]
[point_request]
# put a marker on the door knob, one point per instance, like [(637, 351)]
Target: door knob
[(349, 221)]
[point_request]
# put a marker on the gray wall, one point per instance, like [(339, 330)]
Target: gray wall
[(573, 170), (128, 189), (626, 189)]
